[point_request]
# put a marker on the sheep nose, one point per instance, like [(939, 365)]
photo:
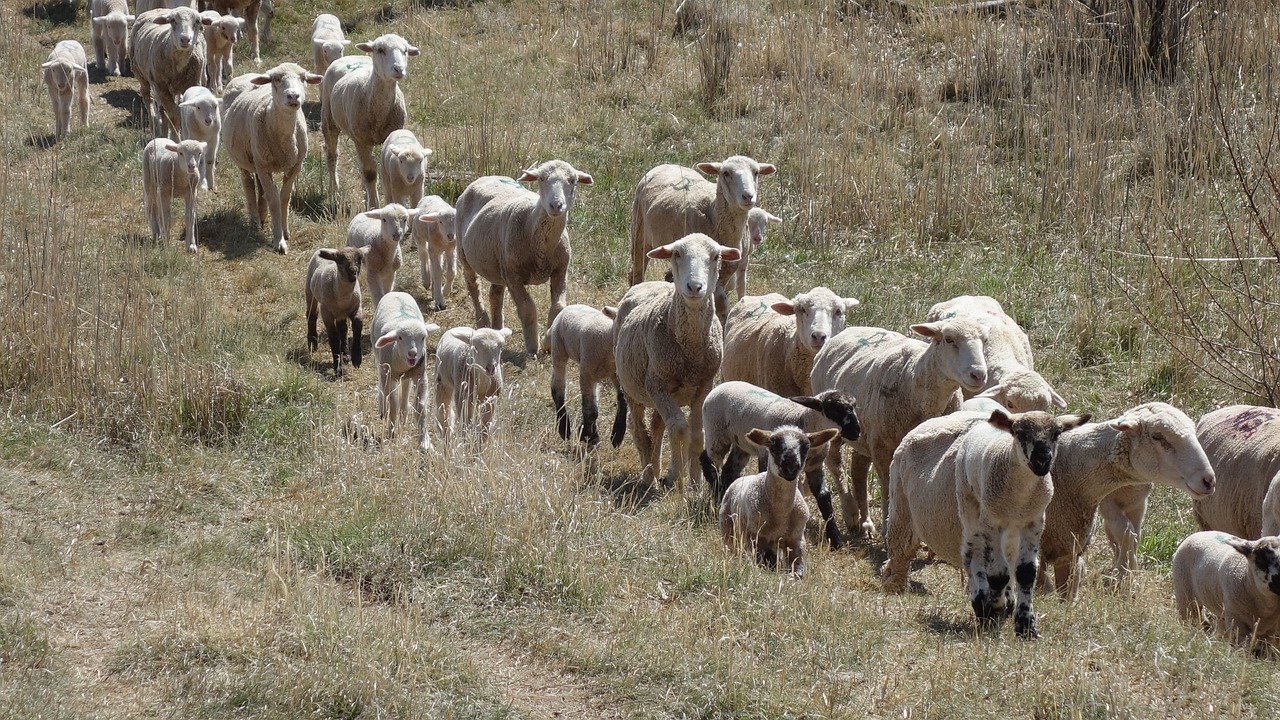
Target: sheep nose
[(819, 339), (978, 377), (694, 288), (557, 207), (412, 357), (490, 369), (1208, 482), (398, 71), (748, 199)]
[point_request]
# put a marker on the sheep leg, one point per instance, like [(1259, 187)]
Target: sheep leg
[(497, 321), (900, 545), (402, 399), (821, 493), (251, 199), (330, 131), (189, 220), (313, 314), (793, 555), (251, 29), (149, 200), (639, 252), (1122, 512), (473, 290), (734, 463), (859, 497), (619, 419), (559, 283), (559, 367), (590, 411), (336, 329), (643, 440), (357, 328), (527, 311), (450, 269), (488, 407), (987, 572), (696, 437), (835, 472), (99, 48), (384, 378), (286, 192), (166, 216), (272, 196), (668, 413), (1025, 569), (210, 159), (369, 173), (433, 277), (444, 421), (82, 92)]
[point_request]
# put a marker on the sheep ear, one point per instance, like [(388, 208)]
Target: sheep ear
[(1058, 400), (162, 20), (375, 214), (386, 340), (660, 253), (346, 42), (994, 392), (80, 68), (412, 51), (463, 333), (1071, 422), (328, 254), (759, 437), (1240, 545), (203, 146), (130, 18), (772, 219), (505, 333), (427, 152), (609, 311), (365, 46), (709, 168), (189, 103), (171, 146), (584, 179), (240, 22), (850, 303), (260, 79), (1125, 425), (312, 78), (529, 175), (98, 20), (767, 169), (930, 330), (46, 66), (808, 401), (822, 437), (428, 218), (729, 253), (784, 307), (432, 327), (1000, 419)]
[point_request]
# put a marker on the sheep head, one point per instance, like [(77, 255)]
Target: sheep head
[(736, 178), (288, 83), (558, 183), (819, 315), (961, 341), (695, 265), (1035, 435), (1160, 443), (390, 55)]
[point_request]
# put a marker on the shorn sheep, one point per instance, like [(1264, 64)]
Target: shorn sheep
[(167, 54), (667, 348), (171, 170), (584, 334), (381, 231), (202, 120), (266, 134), (515, 238), (328, 42), (333, 294), (361, 97), (109, 30), (435, 232), (765, 515), (400, 347), (1237, 581), (403, 168), (220, 37), (1243, 445), (65, 76), (468, 379)]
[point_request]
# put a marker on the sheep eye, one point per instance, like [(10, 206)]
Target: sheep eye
[(1158, 437), (950, 341), (382, 51)]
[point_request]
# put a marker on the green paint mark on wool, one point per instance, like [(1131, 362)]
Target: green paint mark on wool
[(409, 310)]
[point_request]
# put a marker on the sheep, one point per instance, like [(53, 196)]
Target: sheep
[(404, 167), (332, 292), (167, 54), (327, 41), (361, 96), (899, 382), (381, 231), (1243, 445), (764, 514), (109, 28), (147, 5), (584, 335), (468, 378), (249, 9), (1235, 580), (266, 134), (220, 37), (171, 170), (435, 232), (65, 75), (202, 120), (667, 350), (514, 238), (770, 341), (758, 220), (989, 472), (400, 347), (733, 408)]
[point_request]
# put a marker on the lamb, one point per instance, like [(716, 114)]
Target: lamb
[(266, 134), (171, 170), (770, 341), (1243, 445), (332, 292), (667, 350), (65, 75), (327, 41), (220, 37), (202, 120), (109, 28), (733, 408), (758, 220), (435, 233), (899, 382), (381, 231), (514, 238), (167, 54), (1235, 580), (361, 96), (991, 473), (249, 9), (404, 167), (584, 335), (400, 348), (764, 514), (468, 378)]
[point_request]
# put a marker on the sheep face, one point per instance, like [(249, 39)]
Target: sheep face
[(961, 341), (288, 84), (487, 344), (1024, 390), (395, 221), (409, 339), (412, 163), (202, 106), (695, 265), (348, 260), (390, 55), (841, 409), (558, 183), (61, 74), (192, 152), (788, 447), (1036, 434), (115, 28), (757, 222), (227, 28), (443, 221), (1163, 448), (736, 178), (1264, 560), (819, 315), (182, 24)]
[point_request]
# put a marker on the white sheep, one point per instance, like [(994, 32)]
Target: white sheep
[(584, 334), (333, 294), (667, 350), (266, 134), (381, 231), (899, 382), (734, 408), (250, 10), (148, 5), (435, 232), (327, 41), (758, 221), (220, 37), (770, 341), (400, 347), (1237, 581), (167, 54), (171, 170), (403, 168), (202, 120), (765, 515), (361, 97), (468, 378), (1243, 445), (65, 75), (514, 238), (109, 29)]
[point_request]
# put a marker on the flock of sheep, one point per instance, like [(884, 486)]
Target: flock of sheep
[(957, 425)]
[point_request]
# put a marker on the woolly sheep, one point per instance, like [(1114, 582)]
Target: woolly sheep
[(250, 10), (468, 378), (733, 408), (65, 75), (1243, 445), (147, 5), (899, 382), (361, 97), (584, 335), (514, 238), (1237, 581), (381, 231), (220, 37), (327, 41), (400, 347), (770, 341), (171, 170), (109, 29), (435, 232), (764, 515), (758, 220), (266, 134), (167, 54), (202, 120), (333, 293), (404, 167), (667, 349)]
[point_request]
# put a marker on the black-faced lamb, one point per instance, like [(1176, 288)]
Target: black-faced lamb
[(1236, 581), (65, 76), (167, 55), (381, 231), (435, 232), (1243, 445), (202, 120), (584, 334), (109, 30), (468, 379), (333, 294), (171, 170), (400, 347), (403, 168), (328, 42)]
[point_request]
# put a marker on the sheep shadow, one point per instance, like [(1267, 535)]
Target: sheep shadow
[(129, 100), (313, 204), (943, 624), (227, 232), (628, 492), (43, 142), (56, 12)]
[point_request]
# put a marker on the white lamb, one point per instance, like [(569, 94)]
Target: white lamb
[(758, 220), (514, 238), (381, 231), (1236, 581), (468, 379), (167, 54), (171, 170), (584, 334), (327, 41), (202, 120), (403, 168), (435, 232), (1243, 445), (400, 347), (250, 10), (220, 37), (333, 294), (65, 75), (109, 29)]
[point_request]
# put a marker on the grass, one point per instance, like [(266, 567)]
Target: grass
[(188, 532)]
